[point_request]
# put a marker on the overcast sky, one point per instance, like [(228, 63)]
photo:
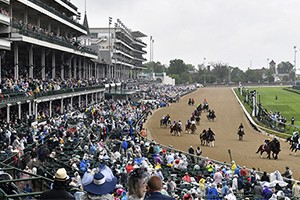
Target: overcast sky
[(236, 32)]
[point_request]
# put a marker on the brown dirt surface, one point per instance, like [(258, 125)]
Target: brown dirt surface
[(229, 116)]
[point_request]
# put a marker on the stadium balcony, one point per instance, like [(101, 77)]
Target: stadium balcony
[(52, 10), (24, 30)]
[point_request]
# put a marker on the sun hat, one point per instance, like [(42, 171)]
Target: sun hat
[(61, 175), (100, 186)]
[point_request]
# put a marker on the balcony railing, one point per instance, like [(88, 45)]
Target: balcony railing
[(52, 10), (69, 4), (8, 97), (23, 30)]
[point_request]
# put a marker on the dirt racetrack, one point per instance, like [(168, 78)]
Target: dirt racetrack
[(229, 116)]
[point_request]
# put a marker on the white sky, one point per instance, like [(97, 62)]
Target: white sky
[(236, 32)]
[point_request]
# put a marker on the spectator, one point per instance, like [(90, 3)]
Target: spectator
[(136, 184), (155, 186), (296, 190), (267, 193), (198, 153), (292, 121), (244, 172), (212, 193), (187, 178), (99, 188), (192, 152), (59, 187), (265, 177)]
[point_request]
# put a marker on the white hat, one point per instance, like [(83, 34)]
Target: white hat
[(61, 175)]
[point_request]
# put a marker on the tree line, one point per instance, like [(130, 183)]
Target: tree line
[(222, 73)]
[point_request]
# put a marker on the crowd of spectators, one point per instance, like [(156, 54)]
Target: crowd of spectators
[(106, 157)]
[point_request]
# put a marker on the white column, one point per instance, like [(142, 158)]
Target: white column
[(30, 54), (8, 113), (50, 109), (53, 65), (75, 68), (19, 109), (93, 98), (79, 101), (80, 69), (71, 102), (43, 63), (96, 97), (62, 67), (29, 107), (70, 68), (86, 100), (36, 110), (61, 106), (16, 60)]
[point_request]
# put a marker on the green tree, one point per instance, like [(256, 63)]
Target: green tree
[(221, 71), (155, 67), (177, 66), (253, 75), (237, 75), (285, 67), (176, 77)]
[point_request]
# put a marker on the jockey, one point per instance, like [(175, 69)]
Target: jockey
[(241, 126), (295, 134), (179, 122), (265, 143)]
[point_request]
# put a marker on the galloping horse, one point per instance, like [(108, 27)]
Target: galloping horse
[(175, 129), (205, 107), (294, 147), (211, 116), (193, 128), (270, 147), (293, 139), (207, 138), (241, 133), (166, 121)]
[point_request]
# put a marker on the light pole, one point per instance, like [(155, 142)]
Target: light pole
[(109, 47), (268, 64), (295, 56), (204, 70)]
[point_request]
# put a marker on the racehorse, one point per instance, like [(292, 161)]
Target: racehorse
[(241, 133), (166, 121), (207, 138), (270, 147), (193, 128), (211, 116), (294, 147), (293, 139), (188, 127), (175, 129), (205, 107)]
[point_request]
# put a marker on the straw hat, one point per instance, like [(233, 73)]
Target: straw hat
[(61, 175)]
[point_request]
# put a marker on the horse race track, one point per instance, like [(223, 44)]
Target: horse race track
[(229, 116)]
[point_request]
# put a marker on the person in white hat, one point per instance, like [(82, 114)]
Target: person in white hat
[(61, 180)]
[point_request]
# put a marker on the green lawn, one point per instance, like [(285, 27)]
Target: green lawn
[(288, 103)]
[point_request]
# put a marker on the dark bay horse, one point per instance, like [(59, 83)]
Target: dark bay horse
[(207, 138), (270, 147), (175, 129), (241, 133)]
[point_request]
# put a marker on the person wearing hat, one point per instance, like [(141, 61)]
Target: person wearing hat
[(60, 184), (100, 188)]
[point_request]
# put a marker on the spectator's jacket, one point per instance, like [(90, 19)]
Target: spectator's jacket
[(158, 196)]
